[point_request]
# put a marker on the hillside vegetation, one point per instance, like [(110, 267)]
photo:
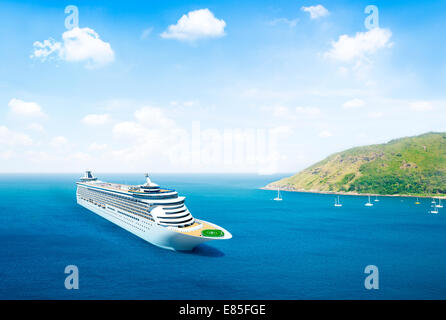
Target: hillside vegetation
[(410, 166)]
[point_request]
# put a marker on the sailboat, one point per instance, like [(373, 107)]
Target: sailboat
[(439, 205), (337, 202), (376, 199), (279, 197), (369, 204), (418, 201), (434, 210)]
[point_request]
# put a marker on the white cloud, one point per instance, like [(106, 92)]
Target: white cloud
[(36, 127), (325, 134), (45, 49), (150, 124), (38, 156), (26, 109), (316, 12), (348, 49), (12, 138), (80, 156), (280, 111), (196, 24), (97, 146), (129, 129), (421, 106), (151, 133), (83, 44), (96, 119), (58, 142), (6, 155), (354, 103), (281, 131), (375, 115), (146, 32), (289, 23), (309, 111), (79, 44), (189, 103), (153, 118)]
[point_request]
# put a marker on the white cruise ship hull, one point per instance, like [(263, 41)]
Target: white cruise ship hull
[(150, 232)]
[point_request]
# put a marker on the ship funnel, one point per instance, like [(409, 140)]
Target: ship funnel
[(88, 176), (148, 181)]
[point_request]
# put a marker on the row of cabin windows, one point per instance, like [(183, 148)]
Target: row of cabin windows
[(109, 200), (142, 208), (119, 203), (136, 200), (115, 196), (134, 218)]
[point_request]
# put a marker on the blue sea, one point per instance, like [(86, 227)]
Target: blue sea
[(300, 248)]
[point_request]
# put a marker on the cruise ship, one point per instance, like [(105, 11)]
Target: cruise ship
[(152, 213)]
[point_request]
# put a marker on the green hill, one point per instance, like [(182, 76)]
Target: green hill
[(410, 166)]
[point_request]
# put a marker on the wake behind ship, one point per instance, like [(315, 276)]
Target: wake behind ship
[(156, 215)]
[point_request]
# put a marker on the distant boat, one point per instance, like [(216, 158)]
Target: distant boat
[(439, 205), (434, 210), (369, 204), (376, 199), (279, 197), (337, 202), (417, 202)]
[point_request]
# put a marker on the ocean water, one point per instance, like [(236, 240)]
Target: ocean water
[(300, 248)]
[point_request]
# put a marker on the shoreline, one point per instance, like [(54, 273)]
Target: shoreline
[(353, 193)]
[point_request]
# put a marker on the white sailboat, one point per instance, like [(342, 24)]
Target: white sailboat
[(369, 204), (279, 197), (434, 210), (439, 205), (337, 202), (376, 199)]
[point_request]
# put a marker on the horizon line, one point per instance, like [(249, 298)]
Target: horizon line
[(143, 172)]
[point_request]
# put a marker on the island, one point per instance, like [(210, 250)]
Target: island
[(409, 166)]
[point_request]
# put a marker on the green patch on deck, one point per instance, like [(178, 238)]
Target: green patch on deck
[(212, 233)]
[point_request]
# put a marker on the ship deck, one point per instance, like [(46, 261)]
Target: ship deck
[(194, 231), (120, 187)]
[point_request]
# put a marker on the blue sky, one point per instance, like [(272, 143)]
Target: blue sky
[(261, 86)]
